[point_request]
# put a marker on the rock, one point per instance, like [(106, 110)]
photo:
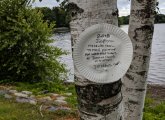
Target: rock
[(26, 100), (7, 96), (27, 92), (64, 108), (22, 100), (33, 102), (60, 102), (61, 98), (3, 88), (32, 96), (3, 92), (68, 94), (51, 108), (67, 82), (12, 91), (45, 99), (21, 95), (53, 96)]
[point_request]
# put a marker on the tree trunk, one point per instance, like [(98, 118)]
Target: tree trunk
[(95, 101), (141, 29)]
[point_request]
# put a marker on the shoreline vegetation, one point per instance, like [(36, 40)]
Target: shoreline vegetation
[(61, 30), (124, 20), (154, 104), (61, 15)]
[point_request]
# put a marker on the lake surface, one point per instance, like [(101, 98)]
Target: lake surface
[(156, 73)]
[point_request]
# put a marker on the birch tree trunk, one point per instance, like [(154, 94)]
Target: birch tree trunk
[(96, 101), (141, 29)]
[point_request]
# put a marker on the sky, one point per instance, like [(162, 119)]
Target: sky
[(123, 5)]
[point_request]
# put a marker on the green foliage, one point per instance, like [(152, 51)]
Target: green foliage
[(160, 18), (52, 87), (152, 111), (25, 50), (124, 20), (36, 88), (59, 15), (10, 110), (72, 100), (47, 14)]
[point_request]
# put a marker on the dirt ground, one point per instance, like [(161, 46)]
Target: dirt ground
[(156, 92)]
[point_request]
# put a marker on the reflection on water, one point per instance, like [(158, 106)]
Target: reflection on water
[(157, 64), (156, 73), (63, 41)]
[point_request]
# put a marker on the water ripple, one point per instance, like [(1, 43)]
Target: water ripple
[(156, 73)]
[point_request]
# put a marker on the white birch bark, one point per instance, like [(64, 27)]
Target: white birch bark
[(96, 101), (141, 28)]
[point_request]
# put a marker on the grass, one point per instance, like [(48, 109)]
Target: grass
[(10, 110), (36, 88), (57, 87), (154, 110)]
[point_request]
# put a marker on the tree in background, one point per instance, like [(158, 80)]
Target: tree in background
[(160, 18), (58, 15), (47, 14), (124, 20), (25, 50), (61, 16)]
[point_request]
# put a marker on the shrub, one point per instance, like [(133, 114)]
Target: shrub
[(25, 50)]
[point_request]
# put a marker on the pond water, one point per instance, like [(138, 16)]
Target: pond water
[(156, 73)]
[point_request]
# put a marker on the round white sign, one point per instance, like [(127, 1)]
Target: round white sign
[(103, 53)]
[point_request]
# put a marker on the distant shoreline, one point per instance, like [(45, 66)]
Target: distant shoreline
[(61, 30)]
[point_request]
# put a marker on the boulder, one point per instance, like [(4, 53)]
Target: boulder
[(60, 102), (33, 101), (22, 100), (12, 91), (26, 100), (3, 92), (53, 96), (53, 108), (45, 99), (61, 98), (27, 92), (7, 96), (21, 95)]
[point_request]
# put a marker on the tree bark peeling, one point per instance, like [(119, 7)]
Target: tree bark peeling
[(100, 99)]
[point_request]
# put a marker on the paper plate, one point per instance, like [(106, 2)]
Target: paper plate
[(103, 53)]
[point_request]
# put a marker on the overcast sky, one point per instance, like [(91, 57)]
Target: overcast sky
[(123, 5)]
